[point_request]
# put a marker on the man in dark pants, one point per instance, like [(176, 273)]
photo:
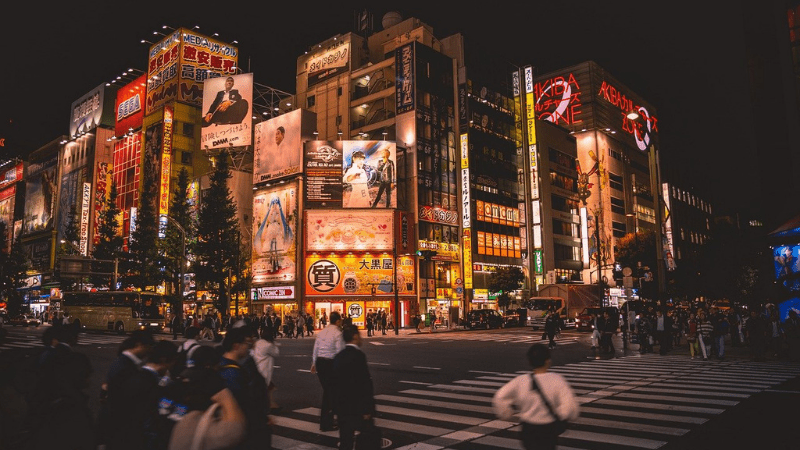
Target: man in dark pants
[(328, 344), (355, 402), (386, 174)]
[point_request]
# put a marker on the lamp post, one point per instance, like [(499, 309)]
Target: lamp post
[(179, 313)]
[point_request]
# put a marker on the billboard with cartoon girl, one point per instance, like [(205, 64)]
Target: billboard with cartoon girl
[(275, 234)]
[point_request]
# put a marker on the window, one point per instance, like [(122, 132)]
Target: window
[(311, 101), (566, 205), (617, 205), (339, 91), (565, 228), (615, 154), (615, 181), (186, 158), (563, 252), (618, 229), (188, 129)]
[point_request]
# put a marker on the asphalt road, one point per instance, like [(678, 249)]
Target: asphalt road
[(433, 391)]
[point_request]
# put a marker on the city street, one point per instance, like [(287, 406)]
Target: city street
[(433, 391)]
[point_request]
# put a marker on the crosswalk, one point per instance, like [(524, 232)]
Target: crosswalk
[(637, 402), (23, 340), (518, 336)]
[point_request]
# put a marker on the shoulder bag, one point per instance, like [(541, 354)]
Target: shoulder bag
[(202, 427), (559, 425)]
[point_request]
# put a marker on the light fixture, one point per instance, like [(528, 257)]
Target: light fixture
[(288, 104), (316, 133), (264, 113), (366, 77), (364, 105), (196, 27), (277, 109), (632, 115), (234, 41)]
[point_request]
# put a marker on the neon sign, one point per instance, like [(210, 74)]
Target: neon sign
[(641, 128), (558, 100)]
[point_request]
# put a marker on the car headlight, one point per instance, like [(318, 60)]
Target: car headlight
[(141, 324)]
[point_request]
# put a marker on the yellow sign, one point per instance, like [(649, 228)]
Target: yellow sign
[(467, 241)]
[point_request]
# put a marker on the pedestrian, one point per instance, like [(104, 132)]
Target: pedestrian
[(323, 320), (704, 332), (115, 427), (663, 330), (208, 328), (264, 353), (610, 326), (791, 329), (187, 349), (721, 329), (146, 389), (597, 325), (775, 335), (354, 404), (370, 324), (756, 335), (417, 322), (735, 322), (309, 324), (65, 421), (543, 401), (389, 320), (328, 344), (299, 325), (383, 322), (551, 328), (222, 430), (691, 336), (644, 333), (241, 376), (277, 323)]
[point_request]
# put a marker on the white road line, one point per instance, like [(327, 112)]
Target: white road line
[(688, 392), (390, 424), (302, 425), (642, 415), (379, 364), (659, 406), (616, 424), (375, 343), (448, 395), (463, 388), (304, 370), (436, 403), (667, 398), (435, 416), (613, 439), (424, 367), (415, 382)]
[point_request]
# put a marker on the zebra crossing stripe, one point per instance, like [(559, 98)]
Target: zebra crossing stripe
[(613, 439), (687, 392), (615, 424), (659, 406), (426, 430), (643, 415), (667, 398), (448, 395), (436, 404), (439, 417), (284, 443)]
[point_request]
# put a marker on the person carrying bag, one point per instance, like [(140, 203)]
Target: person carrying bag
[(544, 402)]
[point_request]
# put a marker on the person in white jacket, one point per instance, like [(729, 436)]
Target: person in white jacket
[(264, 352), (522, 397)]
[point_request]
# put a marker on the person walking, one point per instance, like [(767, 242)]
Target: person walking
[(417, 322), (663, 332), (264, 353), (756, 335), (328, 343), (309, 324), (370, 324), (383, 322), (276, 320), (323, 320), (775, 335), (354, 404), (610, 326), (704, 332), (721, 329), (691, 336), (596, 322), (551, 328), (543, 401)]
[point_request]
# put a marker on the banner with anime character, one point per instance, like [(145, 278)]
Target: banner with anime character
[(275, 234)]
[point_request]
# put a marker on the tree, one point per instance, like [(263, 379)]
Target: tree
[(109, 246), (14, 266), (71, 233), (217, 232), (145, 268), (635, 248), (175, 242), (506, 279)]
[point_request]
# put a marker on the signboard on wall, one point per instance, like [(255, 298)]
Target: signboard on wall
[(358, 274), (93, 109), (40, 190), (273, 293), (227, 111), (275, 233), (86, 198), (130, 106), (405, 87), (278, 149), (329, 63), (349, 230)]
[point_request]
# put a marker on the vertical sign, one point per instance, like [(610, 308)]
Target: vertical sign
[(166, 165), (85, 199), (538, 262), (404, 64), (584, 238), (465, 194), (669, 244), (467, 242)]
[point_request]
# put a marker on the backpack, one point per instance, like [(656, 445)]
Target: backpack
[(181, 359)]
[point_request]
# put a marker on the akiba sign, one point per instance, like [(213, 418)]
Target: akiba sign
[(641, 128), (558, 100)]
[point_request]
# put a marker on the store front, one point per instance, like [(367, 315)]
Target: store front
[(280, 300)]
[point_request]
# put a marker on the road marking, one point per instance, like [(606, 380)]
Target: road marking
[(436, 403), (642, 415), (415, 382), (304, 370), (425, 367), (376, 343), (379, 364)]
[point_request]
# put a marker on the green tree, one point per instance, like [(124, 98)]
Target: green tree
[(71, 233), (145, 267), (14, 265), (173, 244), (506, 279), (217, 231), (109, 246)]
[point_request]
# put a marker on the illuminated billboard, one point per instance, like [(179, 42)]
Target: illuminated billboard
[(179, 64), (102, 191), (278, 149), (227, 111), (787, 266), (130, 106), (93, 109), (405, 96), (351, 174), (7, 215), (329, 63), (275, 233), (40, 189), (349, 230), (358, 274)]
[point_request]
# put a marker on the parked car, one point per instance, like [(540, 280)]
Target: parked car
[(484, 318), (25, 321), (583, 321)]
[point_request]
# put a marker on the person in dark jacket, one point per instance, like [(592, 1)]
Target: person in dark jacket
[(551, 327), (756, 327), (354, 401)]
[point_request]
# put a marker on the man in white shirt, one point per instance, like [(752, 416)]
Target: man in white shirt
[(356, 176), (329, 342)]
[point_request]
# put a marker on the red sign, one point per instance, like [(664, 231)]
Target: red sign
[(640, 128), (558, 100), (130, 106)]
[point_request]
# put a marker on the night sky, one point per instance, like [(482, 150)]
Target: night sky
[(685, 58)]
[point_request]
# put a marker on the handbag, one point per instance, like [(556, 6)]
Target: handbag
[(370, 437), (559, 425), (202, 427)]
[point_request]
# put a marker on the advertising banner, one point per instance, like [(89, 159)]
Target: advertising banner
[(329, 63), (323, 165), (227, 111), (7, 215), (273, 293), (92, 110), (130, 106), (349, 230), (279, 145), (180, 63), (405, 87), (358, 274), (68, 198), (86, 198), (275, 234), (40, 188), (366, 176), (11, 175), (102, 191)]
